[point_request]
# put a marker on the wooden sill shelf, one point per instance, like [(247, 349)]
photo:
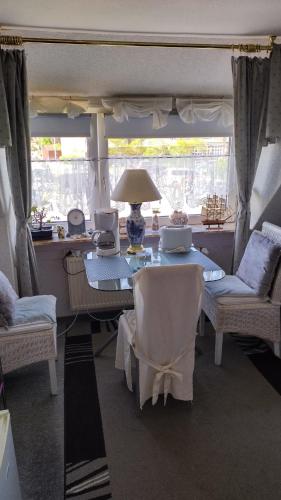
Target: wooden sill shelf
[(148, 234)]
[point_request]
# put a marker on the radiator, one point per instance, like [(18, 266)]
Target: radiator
[(82, 297)]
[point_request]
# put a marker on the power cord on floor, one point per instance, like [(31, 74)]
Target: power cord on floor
[(69, 327), (103, 320)]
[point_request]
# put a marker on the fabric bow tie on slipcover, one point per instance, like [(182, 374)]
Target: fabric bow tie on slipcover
[(163, 371)]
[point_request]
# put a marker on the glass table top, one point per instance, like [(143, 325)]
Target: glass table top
[(115, 272)]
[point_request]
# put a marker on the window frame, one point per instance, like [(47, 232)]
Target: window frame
[(100, 137)]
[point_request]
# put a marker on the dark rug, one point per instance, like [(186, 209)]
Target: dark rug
[(105, 322), (263, 358), (86, 469)]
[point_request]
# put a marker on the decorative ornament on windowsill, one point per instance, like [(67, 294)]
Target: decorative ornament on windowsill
[(178, 218), (135, 186), (215, 211), (76, 223), (39, 229), (155, 219)]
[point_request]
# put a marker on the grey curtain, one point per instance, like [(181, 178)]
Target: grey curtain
[(273, 129), (250, 82), (14, 81), (5, 135)]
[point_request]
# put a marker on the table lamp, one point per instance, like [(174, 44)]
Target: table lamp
[(135, 186)]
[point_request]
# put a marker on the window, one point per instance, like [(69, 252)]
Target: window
[(60, 175), (185, 170)]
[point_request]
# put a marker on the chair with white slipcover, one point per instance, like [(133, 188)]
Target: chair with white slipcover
[(28, 330), (161, 331), (233, 306)]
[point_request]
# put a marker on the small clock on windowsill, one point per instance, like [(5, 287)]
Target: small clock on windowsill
[(76, 222)]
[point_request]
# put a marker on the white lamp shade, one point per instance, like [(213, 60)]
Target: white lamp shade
[(135, 186)]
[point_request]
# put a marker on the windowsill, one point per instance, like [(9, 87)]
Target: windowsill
[(193, 220), (149, 233)]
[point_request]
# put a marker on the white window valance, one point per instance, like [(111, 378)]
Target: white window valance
[(123, 109), (190, 110), (41, 105), (195, 110)]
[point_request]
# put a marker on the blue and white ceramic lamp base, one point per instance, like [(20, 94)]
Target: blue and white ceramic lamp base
[(135, 229)]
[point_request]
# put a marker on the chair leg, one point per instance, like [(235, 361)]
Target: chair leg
[(202, 324), (218, 348), (53, 377), (276, 349)]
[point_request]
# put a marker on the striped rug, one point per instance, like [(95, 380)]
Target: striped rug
[(86, 468)]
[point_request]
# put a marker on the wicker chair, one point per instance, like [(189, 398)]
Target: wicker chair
[(32, 340), (245, 313)]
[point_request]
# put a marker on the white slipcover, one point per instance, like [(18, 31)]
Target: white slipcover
[(162, 330)]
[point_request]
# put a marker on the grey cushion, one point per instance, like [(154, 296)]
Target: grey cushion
[(40, 308), (259, 262), (232, 291), (273, 232), (8, 299)]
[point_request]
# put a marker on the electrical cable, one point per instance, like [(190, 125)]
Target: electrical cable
[(64, 268), (69, 327), (103, 320)]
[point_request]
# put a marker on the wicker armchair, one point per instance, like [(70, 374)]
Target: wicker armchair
[(245, 313), (31, 340)]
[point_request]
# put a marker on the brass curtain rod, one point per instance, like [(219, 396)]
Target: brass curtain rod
[(249, 48)]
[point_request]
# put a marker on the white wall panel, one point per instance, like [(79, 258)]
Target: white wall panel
[(60, 126), (142, 127)]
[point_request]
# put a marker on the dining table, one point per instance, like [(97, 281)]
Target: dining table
[(115, 273)]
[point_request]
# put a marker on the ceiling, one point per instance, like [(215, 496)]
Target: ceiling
[(107, 71)]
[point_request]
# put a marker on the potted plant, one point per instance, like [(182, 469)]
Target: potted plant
[(39, 229)]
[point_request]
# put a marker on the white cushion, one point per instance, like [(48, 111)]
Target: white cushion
[(231, 290)]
